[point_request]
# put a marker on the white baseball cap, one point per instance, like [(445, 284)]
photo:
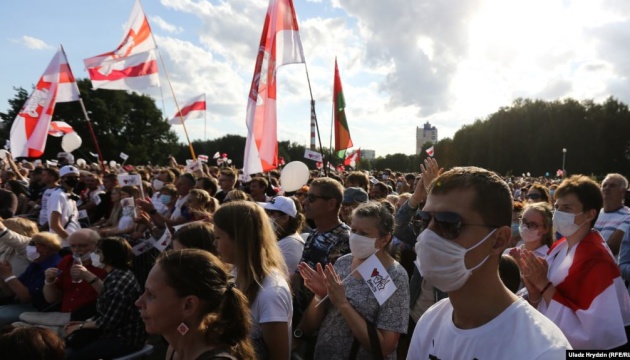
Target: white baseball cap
[(282, 204), (69, 169)]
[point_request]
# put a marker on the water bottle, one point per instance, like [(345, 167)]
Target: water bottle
[(77, 261)]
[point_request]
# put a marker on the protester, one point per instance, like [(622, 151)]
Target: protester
[(63, 215), (613, 222), (352, 198), (245, 239), (195, 235), (579, 286), (206, 319), (352, 311), (15, 234), (466, 222), (116, 329), (27, 288), (287, 221)]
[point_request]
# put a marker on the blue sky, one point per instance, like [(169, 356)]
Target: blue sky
[(402, 62)]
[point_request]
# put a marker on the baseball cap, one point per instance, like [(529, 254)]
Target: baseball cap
[(68, 169), (65, 155), (355, 194), (282, 204)]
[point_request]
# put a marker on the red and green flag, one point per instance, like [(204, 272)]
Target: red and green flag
[(343, 140)]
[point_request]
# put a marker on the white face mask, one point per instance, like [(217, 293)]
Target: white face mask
[(527, 234), (362, 247), (442, 261), (564, 223), (96, 261), (87, 256), (157, 184), (31, 253)]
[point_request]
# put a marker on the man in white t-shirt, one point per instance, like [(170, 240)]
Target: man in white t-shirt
[(49, 179), (466, 222), (614, 218), (63, 215)]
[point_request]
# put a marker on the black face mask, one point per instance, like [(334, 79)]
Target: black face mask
[(71, 182)]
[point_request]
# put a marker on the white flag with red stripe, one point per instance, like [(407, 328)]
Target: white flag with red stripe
[(59, 128), (279, 45), (194, 108), (133, 65), (30, 128), (352, 158), (430, 151)]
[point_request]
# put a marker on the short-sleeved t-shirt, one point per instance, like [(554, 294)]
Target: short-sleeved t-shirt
[(334, 340), (326, 247), (67, 208)]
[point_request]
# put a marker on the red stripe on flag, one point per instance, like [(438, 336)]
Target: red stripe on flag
[(198, 106), (65, 75), (143, 69)]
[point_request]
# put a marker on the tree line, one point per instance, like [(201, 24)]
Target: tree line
[(527, 137)]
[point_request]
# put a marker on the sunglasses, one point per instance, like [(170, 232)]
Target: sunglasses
[(447, 224), (533, 196), (312, 197)]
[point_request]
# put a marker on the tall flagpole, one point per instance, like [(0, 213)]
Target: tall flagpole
[(205, 118), (168, 78), (87, 119), (314, 116)]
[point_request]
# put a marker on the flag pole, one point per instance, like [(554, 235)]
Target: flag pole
[(314, 116), (332, 116), (168, 78), (87, 119), (205, 118)]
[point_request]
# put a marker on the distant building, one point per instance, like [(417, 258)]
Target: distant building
[(425, 134), (368, 154)]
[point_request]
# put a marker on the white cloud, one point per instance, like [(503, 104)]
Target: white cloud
[(33, 43), (162, 24)]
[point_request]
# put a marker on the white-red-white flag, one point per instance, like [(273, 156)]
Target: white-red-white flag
[(352, 158), (216, 155), (192, 109), (203, 158), (30, 128), (59, 128), (430, 151), (279, 45), (133, 65)]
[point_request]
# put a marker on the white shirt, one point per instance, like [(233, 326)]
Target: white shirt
[(177, 212), (273, 304), (292, 248), (43, 212), (59, 202), (519, 332)]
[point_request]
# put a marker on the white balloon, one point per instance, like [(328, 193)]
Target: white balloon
[(112, 163), (294, 175), (71, 142), (81, 162)]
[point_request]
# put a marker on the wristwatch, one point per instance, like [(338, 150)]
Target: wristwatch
[(298, 333)]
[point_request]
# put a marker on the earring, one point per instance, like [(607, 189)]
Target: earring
[(182, 328)]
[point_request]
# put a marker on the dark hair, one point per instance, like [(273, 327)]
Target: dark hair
[(261, 181), (228, 172), (18, 188), (196, 235), (116, 252), (209, 185), (131, 190), (509, 273), (31, 343), (189, 177), (545, 195), (170, 189), (54, 173), (170, 176), (546, 211), (359, 179), (492, 196), (225, 316), (383, 217), (586, 190)]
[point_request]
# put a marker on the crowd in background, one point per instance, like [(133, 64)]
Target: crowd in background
[(223, 266)]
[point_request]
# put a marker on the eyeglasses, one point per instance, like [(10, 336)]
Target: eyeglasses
[(533, 196), (530, 225), (312, 197), (447, 224)]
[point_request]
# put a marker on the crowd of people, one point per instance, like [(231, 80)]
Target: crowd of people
[(220, 266)]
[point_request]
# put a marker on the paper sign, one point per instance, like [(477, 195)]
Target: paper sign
[(377, 278), (124, 156), (128, 180), (313, 155), (203, 158), (194, 166), (216, 155), (83, 214), (164, 241), (143, 247), (97, 199), (94, 155)]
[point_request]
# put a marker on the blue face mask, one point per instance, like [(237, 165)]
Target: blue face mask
[(165, 199)]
